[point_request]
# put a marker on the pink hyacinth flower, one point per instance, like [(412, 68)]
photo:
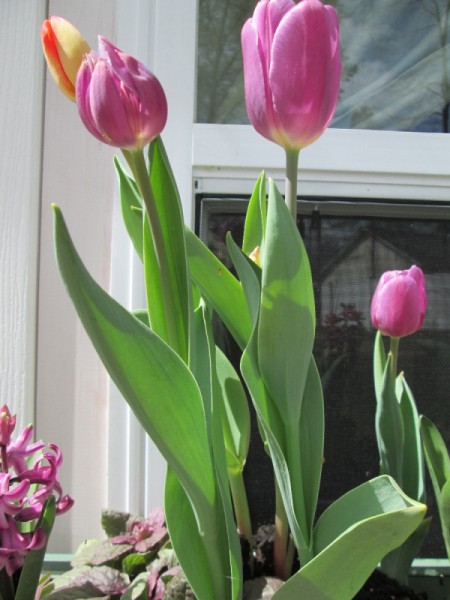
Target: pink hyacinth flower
[(21, 448), (292, 70), (11, 498), (119, 100), (14, 546), (7, 425), (45, 473), (399, 302)]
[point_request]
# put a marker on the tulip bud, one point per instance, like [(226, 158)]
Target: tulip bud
[(64, 47), (292, 69), (399, 302), (255, 256), (119, 100)]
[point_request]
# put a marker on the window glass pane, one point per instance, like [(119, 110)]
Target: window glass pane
[(395, 63), (348, 252)]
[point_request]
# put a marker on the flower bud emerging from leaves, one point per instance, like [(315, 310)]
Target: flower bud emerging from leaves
[(255, 256), (399, 302)]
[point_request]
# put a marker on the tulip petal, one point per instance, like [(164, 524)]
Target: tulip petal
[(53, 61), (258, 97), (71, 47), (107, 101), (305, 71)]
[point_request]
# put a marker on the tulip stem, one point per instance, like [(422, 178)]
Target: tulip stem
[(241, 509), (281, 535), (137, 164), (290, 194)]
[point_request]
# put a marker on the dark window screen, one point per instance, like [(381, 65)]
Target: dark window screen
[(350, 244)]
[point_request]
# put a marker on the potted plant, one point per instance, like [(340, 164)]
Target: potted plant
[(164, 359)]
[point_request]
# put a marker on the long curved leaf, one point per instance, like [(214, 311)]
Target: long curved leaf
[(221, 290), (131, 205), (154, 380), (287, 317), (351, 537), (438, 462), (32, 568), (170, 215), (255, 219)]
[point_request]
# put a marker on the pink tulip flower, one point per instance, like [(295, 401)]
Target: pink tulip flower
[(292, 69), (399, 302), (119, 100)]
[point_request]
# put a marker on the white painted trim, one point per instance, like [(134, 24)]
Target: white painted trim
[(21, 103), (342, 163)]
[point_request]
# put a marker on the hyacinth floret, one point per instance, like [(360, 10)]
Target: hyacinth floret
[(24, 490)]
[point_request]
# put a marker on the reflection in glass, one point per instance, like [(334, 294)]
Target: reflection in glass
[(395, 63), (348, 254)]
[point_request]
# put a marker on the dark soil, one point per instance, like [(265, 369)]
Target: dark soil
[(380, 587)]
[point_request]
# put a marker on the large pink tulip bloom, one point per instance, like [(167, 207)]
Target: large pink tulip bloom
[(292, 70), (119, 100), (399, 302)]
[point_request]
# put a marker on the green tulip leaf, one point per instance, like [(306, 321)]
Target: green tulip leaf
[(249, 275), (389, 426), (438, 462), (413, 472), (131, 204), (155, 299), (186, 539), (312, 424), (168, 206), (397, 563), (32, 568), (226, 540), (298, 587), (379, 363), (235, 411), (287, 316), (444, 514), (155, 382), (221, 290), (255, 219), (352, 536)]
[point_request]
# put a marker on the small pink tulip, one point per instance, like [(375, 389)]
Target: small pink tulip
[(399, 302), (292, 70), (119, 100)]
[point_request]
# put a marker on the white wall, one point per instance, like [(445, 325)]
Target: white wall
[(21, 127)]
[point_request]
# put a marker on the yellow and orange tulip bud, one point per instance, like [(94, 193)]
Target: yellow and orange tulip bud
[(64, 48)]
